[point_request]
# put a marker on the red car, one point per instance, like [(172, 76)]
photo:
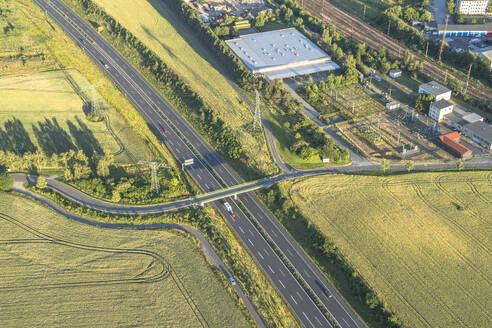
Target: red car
[(165, 130)]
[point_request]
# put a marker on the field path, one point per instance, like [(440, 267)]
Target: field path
[(207, 248)]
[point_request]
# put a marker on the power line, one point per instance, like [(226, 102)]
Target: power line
[(257, 119), (154, 166)]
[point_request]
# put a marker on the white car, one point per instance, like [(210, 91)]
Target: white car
[(229, 209)]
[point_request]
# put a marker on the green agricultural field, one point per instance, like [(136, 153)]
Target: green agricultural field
[(421, 241), (163, 34), (49, 109), (55, 272)]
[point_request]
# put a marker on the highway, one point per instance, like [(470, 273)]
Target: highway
[(160, 114)]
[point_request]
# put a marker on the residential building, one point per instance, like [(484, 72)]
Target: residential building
[(394, 73), (480, 132), (438, 109), (472, 7), (451, 143), (437, 90)]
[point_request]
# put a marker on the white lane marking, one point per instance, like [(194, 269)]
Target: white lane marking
[(283, 274), (270, 268), (318, 321), (251, 242), (266, 252), (206, 186), (288, 251), (274, 233), (300, 297), (170, 142), (261, 256), (305, 316), (251, 232), (307, 274), (199, 176), (280, 281), (242, 231), (177, 150), (293, 299), (345, 322)]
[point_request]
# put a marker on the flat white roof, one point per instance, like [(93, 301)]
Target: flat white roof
[(280, 54)]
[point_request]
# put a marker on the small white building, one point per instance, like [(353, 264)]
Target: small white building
[(393, 105), (394, 73), (439, 109), (437, 90), (472, 7)]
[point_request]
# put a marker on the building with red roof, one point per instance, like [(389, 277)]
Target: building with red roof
[(451, 143)]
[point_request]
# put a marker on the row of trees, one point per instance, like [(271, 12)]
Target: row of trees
[(328, 255), (273, 93), (203, 117), (415, 39)]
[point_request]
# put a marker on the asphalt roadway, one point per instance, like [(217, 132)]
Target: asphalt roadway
[(159, 114)]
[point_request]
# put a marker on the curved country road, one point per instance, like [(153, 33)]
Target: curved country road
[(207, 248)]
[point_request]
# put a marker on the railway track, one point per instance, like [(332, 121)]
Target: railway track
[(362, 32)]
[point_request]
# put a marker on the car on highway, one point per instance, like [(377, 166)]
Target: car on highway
[(233, 282), (165, 130), (229, 209)]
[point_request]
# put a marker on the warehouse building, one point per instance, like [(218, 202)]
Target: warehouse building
[(437, 90), (451, 142), (480, 132), (472, 7), (281, 54)]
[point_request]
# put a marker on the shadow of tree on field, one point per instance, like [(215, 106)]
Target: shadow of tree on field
[(84, 138), (52, 138), (15, 138)]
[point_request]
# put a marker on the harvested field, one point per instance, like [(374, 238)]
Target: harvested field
[(421, 241), (60, 273), (52, 113)]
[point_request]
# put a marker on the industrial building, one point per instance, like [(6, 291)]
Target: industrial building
[(395, 73), (437, 90), (451, 143), (472, 7), (479, 132), (466, 30), (438, 109), (281, 54)]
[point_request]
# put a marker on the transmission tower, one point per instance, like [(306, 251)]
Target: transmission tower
[(468, 79), (257, 120), (95, 108), (154, 166)]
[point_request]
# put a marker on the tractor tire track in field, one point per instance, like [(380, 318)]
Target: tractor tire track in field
[(456, 251), (413, 273), (476, 192), (438, 184), (395, 291), (454, 223), (166, 271)]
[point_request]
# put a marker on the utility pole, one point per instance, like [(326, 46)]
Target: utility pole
[(389, 25), (443, 38), (322, 8), (426, 48), (445, 76), (364, 14), (468, 78)]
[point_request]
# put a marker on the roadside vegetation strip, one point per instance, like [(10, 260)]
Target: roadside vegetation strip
[(269, 304), (96, 257), (59, 48), (423, 250)]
